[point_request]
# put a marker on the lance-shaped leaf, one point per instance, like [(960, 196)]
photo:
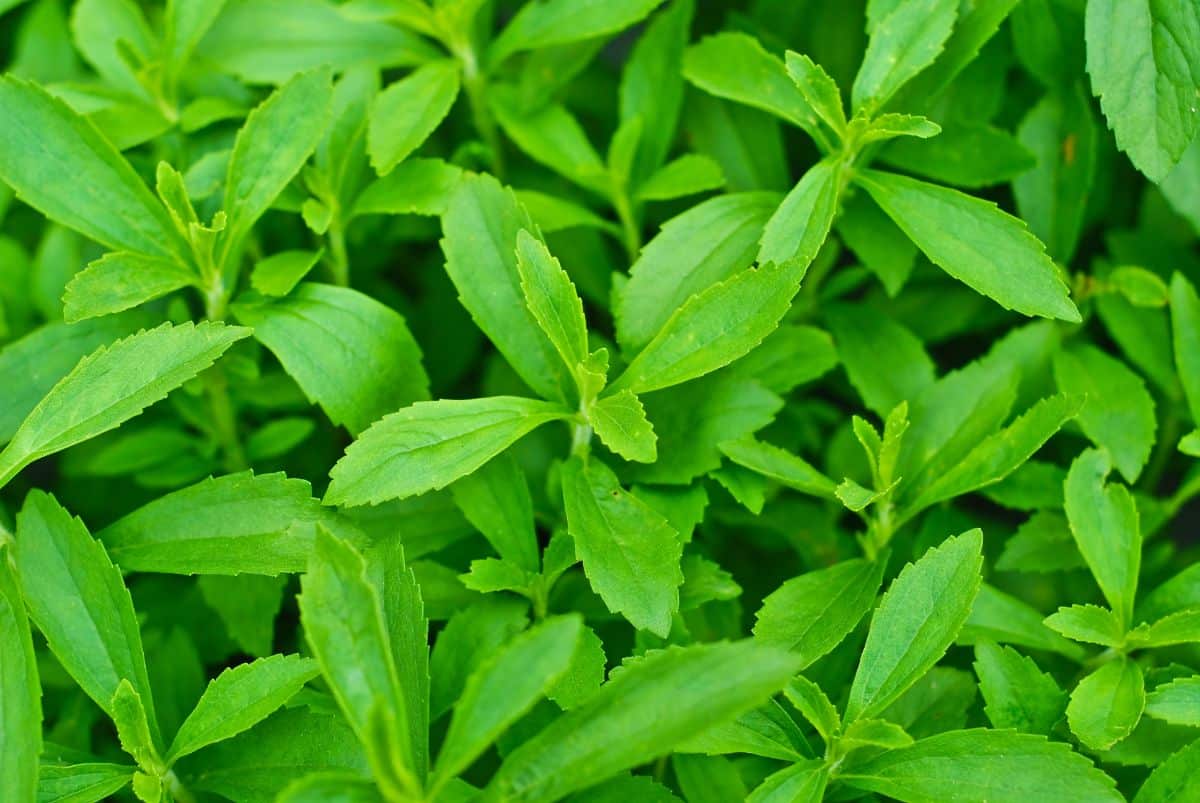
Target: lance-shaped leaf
[(239, 698), (976, 243), (235, 524), (92, 781), (902, 44), (1176, 778), (621, 424), (348, 352), (1018, 694), (552, 299), (1177, 702), (800, 225), (819, 89), (973, 765), (21, 711), (407, 112), (630, 553), (714, 328), (496, 500), (80, 604), (120, 280), (62, 166), (112, 385), (1185, 331), (812, 613), (803, 782), (1107, 704), (504, 688), (431, 444), (779, 465), (1104, 521), (557, 22), (649, 706), (916, 622)]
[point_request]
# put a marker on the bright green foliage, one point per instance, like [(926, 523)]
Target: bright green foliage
[(577, 400)]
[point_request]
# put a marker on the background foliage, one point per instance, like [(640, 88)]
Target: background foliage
[(621, 400)]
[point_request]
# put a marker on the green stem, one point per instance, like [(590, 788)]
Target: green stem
[(581, 439), (179, 792), (631, 235), (475, 83), (224, 419), (340, 264)]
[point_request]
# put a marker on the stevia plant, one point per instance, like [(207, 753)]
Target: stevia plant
[(631, 400)]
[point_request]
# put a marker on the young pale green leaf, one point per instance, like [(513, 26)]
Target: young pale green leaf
[(812, 613), (21, 711), (1176, 778), (1177, 702), (79, 602), (714, 328), (819, 90), (120, 280), (276, 141), (800, 225), (903, 43), (112, 385), (470, 636), (278, 274), (709, 243), (803, 782), (1004, 452), (1104, 521), (552, 299), (407, 112), (735, 66), (652, 704), (556, 22), (239, 698), (77, 783), (687, 175), (916, 622), (814, 705), (238, 523), (867, 733), (767, 731), (1118, 414), (885, 362), (1185, 331), (779, 465), (415, 187), (993, 765), (133, 727), (620, 422), (503, 689), (1107, 704), (480, 229), (430, 445), (976, 243), (891, 126), (1088, 623), (61, 165), (1144, 62), (495, 499), (630, 553), (350, 353), (1181, 627), (343, 620), (1017, 693)]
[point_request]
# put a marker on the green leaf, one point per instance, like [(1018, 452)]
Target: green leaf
[(709, 243), (278, 274), (1018, 694), (972, 765), (1176, 778), (1104, 521), (112, 385), (247, 605), (343, 618), (630, 553), (687, 175), (470, 636), (134, 730), (1181, 627), (735, 66), (891, 125), (819, 90), (902, 44), (550, 135), (120, 280), (277, 139), (803, 782), (58, 163), (416, 187), (811, 614), (1185, 333), (21, 713), (916, 621), (962, 155), (239, 698), (238, 523), (779, 465), (504, 688), (1144, 61), (1088, 623), (556, 22), (714, 328), (885, 362), (976, 243), (1177, 702), (430, 445), (480, 229), (767, 731), (1006, 619), (707, 779), (620, 422), (1107, 704), (810, 700), (1118, 414), (348, 352), (800, 225), (552, 299), (651, 705), (873, 733), (495, 499), (408, 111), (81, 783), (79, 602)]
